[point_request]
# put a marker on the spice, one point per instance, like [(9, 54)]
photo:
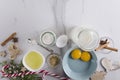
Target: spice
[(104, 45), (102, 42), (54, 60), (14, 51), (3, 53), (8, 39), (15, 39)]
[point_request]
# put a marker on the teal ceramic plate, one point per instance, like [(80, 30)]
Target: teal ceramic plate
[(77, 69)]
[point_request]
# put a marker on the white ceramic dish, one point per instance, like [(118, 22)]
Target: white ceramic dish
[(86, 39), (28, 67), (61, 41)]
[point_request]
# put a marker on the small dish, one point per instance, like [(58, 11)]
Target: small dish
[(61, 41), (47, 38), (111, 44), (77, 69), (86, 39), (53, 60), (33, 60)]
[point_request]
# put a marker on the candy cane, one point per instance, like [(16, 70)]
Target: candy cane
[(56, 76), (30, 72)]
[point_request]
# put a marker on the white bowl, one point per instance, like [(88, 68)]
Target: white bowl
[(33, 58), (87, 39), (61, 41)]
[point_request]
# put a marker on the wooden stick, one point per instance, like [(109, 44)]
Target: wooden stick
[(110, 48), (101, 46), (105, 46), (8, 39)]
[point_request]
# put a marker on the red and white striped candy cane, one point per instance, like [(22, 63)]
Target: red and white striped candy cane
[(30, 72), (56, 76)]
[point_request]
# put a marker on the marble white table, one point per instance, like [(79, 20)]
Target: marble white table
[(29, 17)]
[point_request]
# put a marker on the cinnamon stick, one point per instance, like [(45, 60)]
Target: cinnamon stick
[(101, 46), (8, 39), (110, 48)]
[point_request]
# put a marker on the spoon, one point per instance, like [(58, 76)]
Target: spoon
[(34, 42)]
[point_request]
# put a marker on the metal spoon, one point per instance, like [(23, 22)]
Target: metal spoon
[(34, 42)]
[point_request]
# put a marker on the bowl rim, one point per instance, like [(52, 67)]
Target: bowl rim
[(26, 66)]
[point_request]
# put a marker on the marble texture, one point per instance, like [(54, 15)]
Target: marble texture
[(101, 15), (29, 17)]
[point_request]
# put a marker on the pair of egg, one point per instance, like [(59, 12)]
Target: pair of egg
[(78, 54)]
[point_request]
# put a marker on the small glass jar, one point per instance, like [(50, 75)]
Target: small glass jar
[(47, 38)]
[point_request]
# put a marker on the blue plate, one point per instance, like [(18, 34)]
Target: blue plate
[(77, 69)]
